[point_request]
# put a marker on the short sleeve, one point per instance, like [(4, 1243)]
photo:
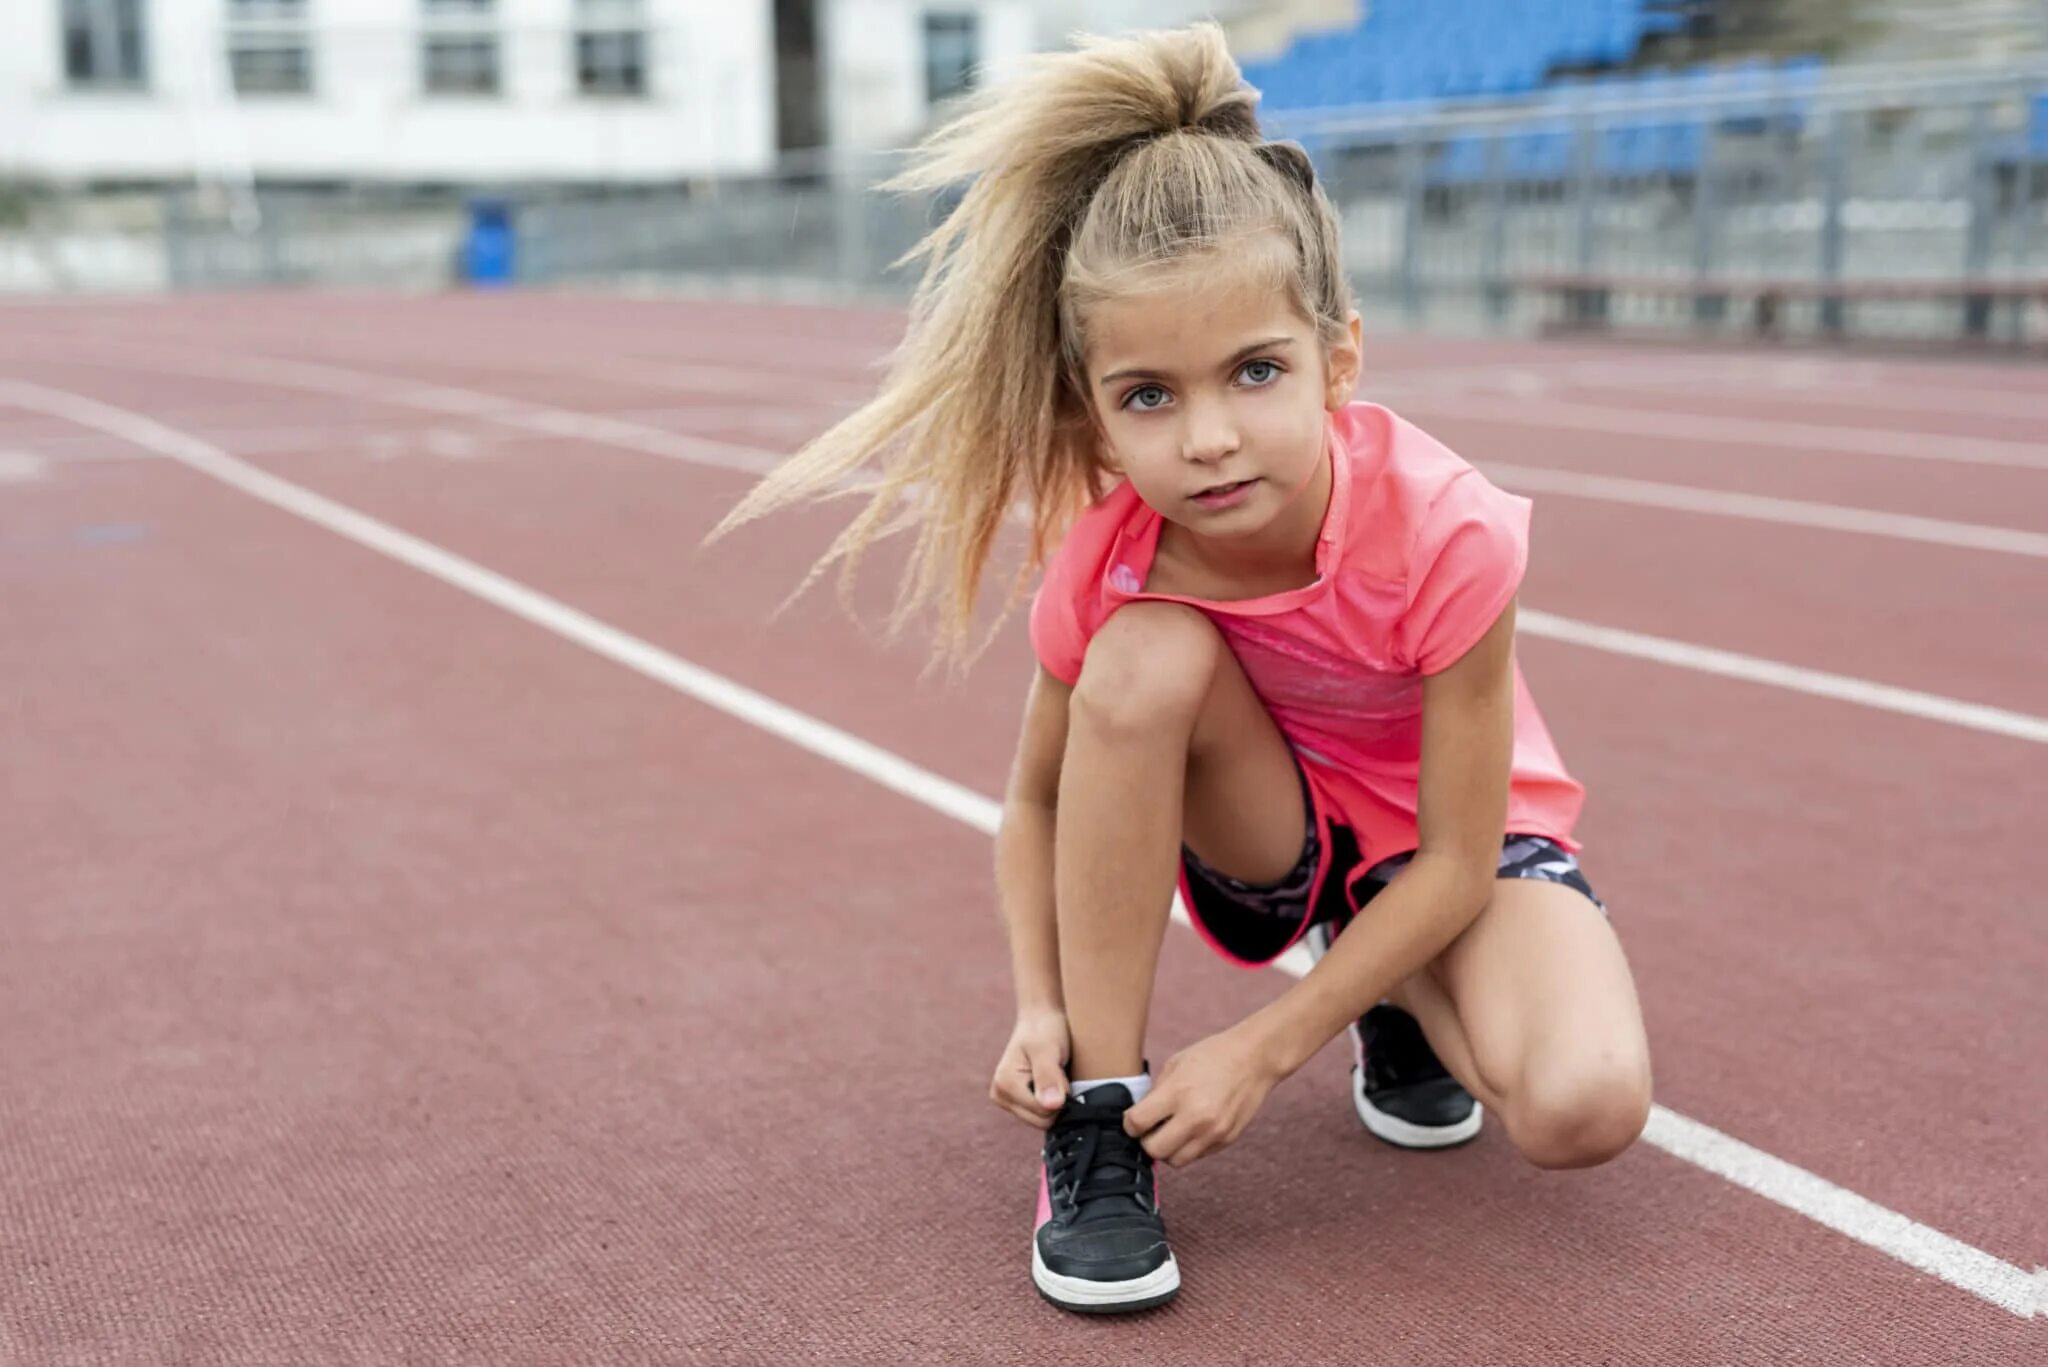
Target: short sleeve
[(1069, 607), (1058, 636), (1469, 556)]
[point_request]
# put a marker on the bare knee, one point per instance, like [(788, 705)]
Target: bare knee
[(1580, 1114), (1148, 670)]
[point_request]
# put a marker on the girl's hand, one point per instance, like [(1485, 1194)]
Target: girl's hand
[(1202, 1100), (1031, 1079)]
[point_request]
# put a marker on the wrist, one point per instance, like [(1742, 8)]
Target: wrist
[(1277, 1041), (1035, 978), (1039, 1003)]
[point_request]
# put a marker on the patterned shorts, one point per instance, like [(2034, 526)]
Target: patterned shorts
[(1253, 923)]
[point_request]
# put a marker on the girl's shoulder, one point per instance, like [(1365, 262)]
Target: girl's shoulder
[(1445, 548), (1069, 605), (1409, 491)]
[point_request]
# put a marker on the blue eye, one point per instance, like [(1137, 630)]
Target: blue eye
[(1267, 372), (1136, 398)]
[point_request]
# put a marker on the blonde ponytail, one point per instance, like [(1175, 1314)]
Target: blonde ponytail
[(1087, 165)]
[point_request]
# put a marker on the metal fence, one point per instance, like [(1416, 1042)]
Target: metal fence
[(1875, 201)]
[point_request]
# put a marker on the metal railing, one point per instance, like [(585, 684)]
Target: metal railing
[(1899, 201)]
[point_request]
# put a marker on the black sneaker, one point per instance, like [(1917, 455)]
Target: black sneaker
[(1099, 1246), (1399, 1087)]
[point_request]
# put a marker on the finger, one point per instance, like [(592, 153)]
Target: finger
[(1168, 1139), (1030, 1115), (1150, 1113), (1019, 1103), (1200, 1139), (1013, 1092), (1048, 1077), (1011, 1089)]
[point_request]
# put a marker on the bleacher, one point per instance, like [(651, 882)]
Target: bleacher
[(1623, 162), (1409, 50), (1422, 54)]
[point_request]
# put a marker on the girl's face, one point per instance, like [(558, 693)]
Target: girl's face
[(1212, 395)]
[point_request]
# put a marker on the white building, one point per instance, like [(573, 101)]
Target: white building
[(510, 91), (473, 91)]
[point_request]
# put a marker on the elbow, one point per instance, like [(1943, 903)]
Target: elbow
[(1460, 885), (1472, 882)]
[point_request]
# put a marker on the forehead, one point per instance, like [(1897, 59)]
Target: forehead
[(1189, 316)]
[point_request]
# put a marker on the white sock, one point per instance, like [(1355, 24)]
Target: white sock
[(1138, 1085)]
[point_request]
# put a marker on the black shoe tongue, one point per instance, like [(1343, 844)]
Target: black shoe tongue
[(1114, 1161)]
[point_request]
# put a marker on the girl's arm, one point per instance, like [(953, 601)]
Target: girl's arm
[(1468, 739), (1024, 847)]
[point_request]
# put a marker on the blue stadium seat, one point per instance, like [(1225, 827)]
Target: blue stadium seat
[(1432, 47), (1412, 51), (1462, 161)]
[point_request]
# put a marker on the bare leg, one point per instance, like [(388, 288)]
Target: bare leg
[(1533, 1009), (1166, 742)]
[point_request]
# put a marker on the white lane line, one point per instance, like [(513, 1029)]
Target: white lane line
[(23, 467), (753, 459), (1689, 498), (779, 427), (1739, 434), (1871, 383), (2016, 1289), (469, 403), (1725, 380), (1961, 1265), (661, 441), (1531, 378), (1868, 396), (1907, 702)]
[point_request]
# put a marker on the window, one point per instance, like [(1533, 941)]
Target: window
[(611, 47), (270, 47), (103, 43), (952, 50), (459, 66), (459, 49), (271, 68)]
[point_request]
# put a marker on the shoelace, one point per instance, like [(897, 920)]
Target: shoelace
[(1088, 1146)]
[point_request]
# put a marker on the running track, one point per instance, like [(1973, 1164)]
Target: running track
[(417, 949)]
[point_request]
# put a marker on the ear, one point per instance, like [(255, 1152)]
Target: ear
[(1344, 358)]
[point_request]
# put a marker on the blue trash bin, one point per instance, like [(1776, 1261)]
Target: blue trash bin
[(490, 251)]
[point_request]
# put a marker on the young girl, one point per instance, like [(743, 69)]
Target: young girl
[(1276, 658)]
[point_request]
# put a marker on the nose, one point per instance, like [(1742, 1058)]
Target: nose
[(1209, 433)]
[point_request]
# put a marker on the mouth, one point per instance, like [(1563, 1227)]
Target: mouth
[(1224, 495)]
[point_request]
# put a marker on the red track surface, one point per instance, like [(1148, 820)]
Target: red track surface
[(389, 979)]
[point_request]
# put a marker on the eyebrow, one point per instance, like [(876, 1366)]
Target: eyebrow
[(1138, 373)]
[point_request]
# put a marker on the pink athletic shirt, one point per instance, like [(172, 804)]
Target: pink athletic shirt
[(1418, 557)]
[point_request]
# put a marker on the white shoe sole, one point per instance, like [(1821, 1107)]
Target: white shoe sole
[(1402, 1133), (1106, 1298), (1406, 1133)]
